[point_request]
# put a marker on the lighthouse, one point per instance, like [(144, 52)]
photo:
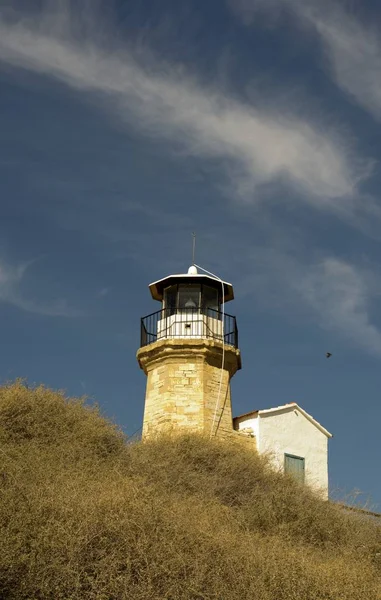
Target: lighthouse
[(189, 353)]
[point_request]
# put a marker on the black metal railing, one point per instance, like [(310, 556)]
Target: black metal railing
[(189, 323)]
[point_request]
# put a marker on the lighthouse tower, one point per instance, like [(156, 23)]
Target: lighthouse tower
[(189, 352)]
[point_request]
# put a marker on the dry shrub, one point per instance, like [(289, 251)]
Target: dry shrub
[(83, 515)]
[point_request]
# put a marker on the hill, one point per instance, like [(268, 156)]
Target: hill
[(84, 515)]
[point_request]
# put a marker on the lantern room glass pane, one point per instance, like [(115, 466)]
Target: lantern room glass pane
[(170, 299), (189, 297), (210, 297)]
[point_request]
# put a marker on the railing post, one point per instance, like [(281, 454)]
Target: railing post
[(142, 336)]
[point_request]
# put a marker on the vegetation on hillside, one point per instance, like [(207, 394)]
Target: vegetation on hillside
[(83, 515)]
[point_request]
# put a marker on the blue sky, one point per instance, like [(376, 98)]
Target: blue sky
[(125, 126)]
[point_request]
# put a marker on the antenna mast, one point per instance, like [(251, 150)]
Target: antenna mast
[(193, 247)]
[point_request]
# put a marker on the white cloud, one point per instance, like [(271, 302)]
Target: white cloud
[(253, 146), (103, 292), (335, 293), (352, 48), (340, 294), (11, 279), (354, 53)]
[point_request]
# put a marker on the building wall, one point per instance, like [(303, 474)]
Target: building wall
[(173, 395), (217, 404), (183, 383), (288, 431), (249, 424)]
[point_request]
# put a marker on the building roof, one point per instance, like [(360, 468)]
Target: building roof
[(157, 287), (290, 405)]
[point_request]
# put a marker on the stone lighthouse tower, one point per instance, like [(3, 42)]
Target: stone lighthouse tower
[(189, 352)]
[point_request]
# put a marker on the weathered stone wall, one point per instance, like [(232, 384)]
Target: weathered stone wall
[(217, 404), (183, 383)]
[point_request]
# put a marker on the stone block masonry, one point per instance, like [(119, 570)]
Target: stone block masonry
[(183, 383)]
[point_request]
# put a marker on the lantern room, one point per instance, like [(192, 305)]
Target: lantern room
[(191, 308)]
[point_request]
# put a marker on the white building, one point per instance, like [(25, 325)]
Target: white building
[(296, 442)]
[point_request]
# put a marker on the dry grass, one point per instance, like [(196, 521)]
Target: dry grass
[(85, 516)]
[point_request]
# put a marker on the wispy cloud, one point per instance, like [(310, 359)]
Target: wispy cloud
[(337, 295), (253, 146), (103, 292), (340, 294), (353, 51), (352, 48), (11, 292)]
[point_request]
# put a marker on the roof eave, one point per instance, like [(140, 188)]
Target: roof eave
[(291, 405), (156, 287), (249, 414)]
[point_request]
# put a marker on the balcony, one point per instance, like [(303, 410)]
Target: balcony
[(189, 323)]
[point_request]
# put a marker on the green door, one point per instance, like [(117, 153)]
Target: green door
[(295, 466)]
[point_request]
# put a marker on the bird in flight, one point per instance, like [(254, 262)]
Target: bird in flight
[(328, 354)]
